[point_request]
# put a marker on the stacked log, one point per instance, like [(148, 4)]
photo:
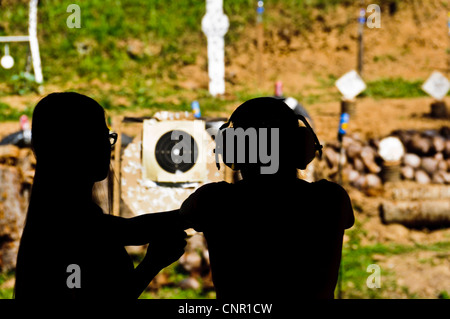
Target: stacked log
[(360, 162), (415, 205), (426, 159), (16, 176)]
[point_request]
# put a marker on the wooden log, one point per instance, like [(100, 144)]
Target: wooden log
[(419, 145), (404, 135), (438, 143), (445, 132), (407, 172), (359, 165), (331, 156), (419, 192), (446, 150), (353, 150), (390, 172), (446, 177), (12, 215), (9, 152), (438, 156), (360, 182), (412, 160), (428, 213), (421, 177), (351, 175), (372, 181), (429, 165), (437, 178), (368, 158), (438, 110)]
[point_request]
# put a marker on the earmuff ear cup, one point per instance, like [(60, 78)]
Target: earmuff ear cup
[(306, 149), (221, 149)]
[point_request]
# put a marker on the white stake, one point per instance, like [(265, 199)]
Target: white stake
[(34, 45), (215, 25)]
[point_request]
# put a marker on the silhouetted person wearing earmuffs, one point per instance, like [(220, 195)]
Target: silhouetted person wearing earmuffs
[(272, 235)]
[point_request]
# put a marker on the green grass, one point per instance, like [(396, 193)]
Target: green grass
[(6, 293), (8, 113), (394, 88), (356, 258), (99, 49), (175, 274)]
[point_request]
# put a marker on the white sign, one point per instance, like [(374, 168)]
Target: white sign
[(437, 85), (215, 25), (350, 85)]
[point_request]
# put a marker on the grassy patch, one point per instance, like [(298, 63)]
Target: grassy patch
[(356, 258), (8, 113), (6, 293), (394, 88)]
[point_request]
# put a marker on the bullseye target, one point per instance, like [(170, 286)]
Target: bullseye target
[(173, 151), (176, 151)]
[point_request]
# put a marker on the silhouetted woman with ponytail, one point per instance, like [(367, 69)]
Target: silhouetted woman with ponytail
[(71, 249)]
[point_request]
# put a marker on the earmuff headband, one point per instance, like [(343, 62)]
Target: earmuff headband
[(317, 146)]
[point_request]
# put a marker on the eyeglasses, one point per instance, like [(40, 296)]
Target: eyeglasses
[(112, 138)]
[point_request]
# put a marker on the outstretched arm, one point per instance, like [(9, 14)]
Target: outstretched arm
[(161, 252), (142, 229)]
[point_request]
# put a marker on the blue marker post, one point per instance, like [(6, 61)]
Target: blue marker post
[(195, 106), (343, 125)]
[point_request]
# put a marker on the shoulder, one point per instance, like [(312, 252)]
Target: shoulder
[(325, 185), (197, 207), (206, 193), (211, 190), (213, 187), (336, 196)]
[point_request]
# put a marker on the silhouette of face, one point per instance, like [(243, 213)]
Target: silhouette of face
[(70, 137), (96, 157)]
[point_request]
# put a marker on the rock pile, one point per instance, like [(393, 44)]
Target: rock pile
[(426, 159)]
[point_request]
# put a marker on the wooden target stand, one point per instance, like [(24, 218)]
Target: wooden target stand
[(145, 196)]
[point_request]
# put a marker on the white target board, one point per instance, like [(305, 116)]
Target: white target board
[(350, 85), (436, 85)]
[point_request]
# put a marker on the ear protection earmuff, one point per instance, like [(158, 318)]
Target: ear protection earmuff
[(311, 144), (305, 134)]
